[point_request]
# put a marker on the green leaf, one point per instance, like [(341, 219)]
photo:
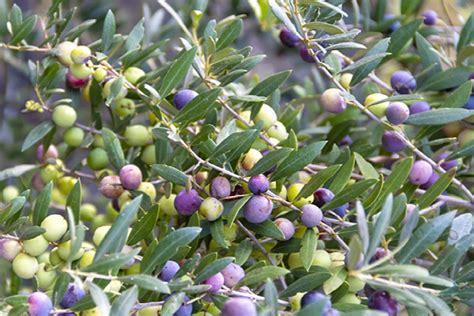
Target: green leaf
[(355, 252), (108, 31), (467, 33), (243, 251), (31, 232), (400, 270), (297, 160), (268, 161), (271, 297), (113, 148), (402, 35), (394, 181), (111, 262), (451, 78), (363, 226), (172, 304), (40, 210), (146, 282), (232, 215), (342, 176), (15, 172), (144, 226), (168, 247), (171, 174), (380, 227), (362, 72), (267, 86), (74, 200), (308, 247), (466, 274), (409, 226), (268, 228), (317, 181), (350, 193), (60, 286), (236, 144), (116, 237), (177, 72), (399, 98), (24, 30), (12, 208), (198, 107), (439, 116), (409, 6), (429, 58), (436, 189), (259, 275), (326, 27), (306, 283), (424, 236), (366, 168), (76, 31), (100, 298), (465, 151), (124, 304), (229, 34), (213, 268), (451, 254), (460, 96), (37, 134), (217, 232), (365, 62), (135, 36)]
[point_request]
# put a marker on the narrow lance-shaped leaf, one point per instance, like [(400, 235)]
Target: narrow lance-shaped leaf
[(40, 210), (115, 238), (297, 160), (113, 148), (424, 236), (37, 134), (381, 225), (308, 247), (74, 200), (171, 174), (123, 305), (108, 31), (177, 72), (439, 116)]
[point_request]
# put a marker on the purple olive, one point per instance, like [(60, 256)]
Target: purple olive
[(379, 254), (430, 17), (447, 164), (9, 249), (74, 82), (322, 196), (433, 178), (420, 172), (314, 297), (238, 306), (403, 82), (39, 304), (220, 187), (73, 294), (333, 101), (51, 153), (288, 38), (258, 184), (130, 177), (382, 301), (216, 282), (169, 271), (345, 141), (187, 202), (183, 97), (286, 227), (258, 209), (419, 107), (233, 273), (397, 112), (311, 216), (111, 187), (341, 210), (395, 25), (470, 103), (392, 143)]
